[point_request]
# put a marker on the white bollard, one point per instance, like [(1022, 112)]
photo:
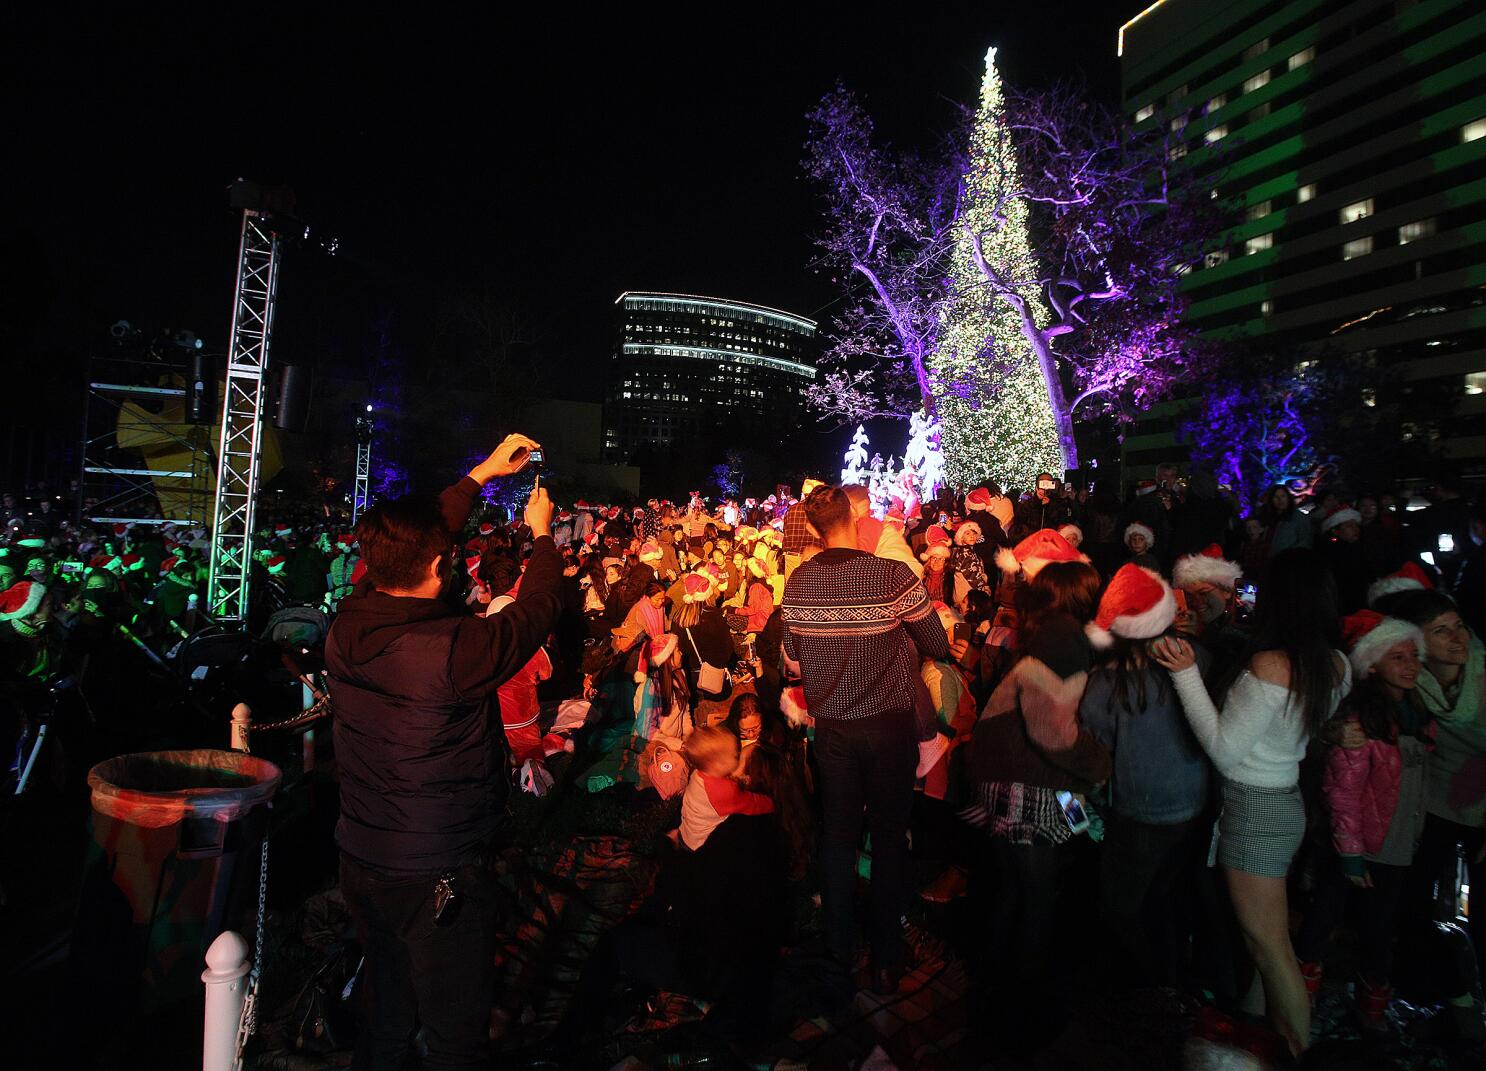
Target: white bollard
[(242, 717), (226, 978)]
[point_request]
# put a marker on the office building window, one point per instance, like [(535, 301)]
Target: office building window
[(1145, 113), (1356, 210), (1217, 133), (1215, 103), (1216, 257), (1258, 48), (1305, 193), (1357, 247), (1266, 307), (1475, 383), (1259, 81), (1257, 211), (1176, 152), (1369, 397), (1301, 58), (1475, 130), (1178, 124), (1412, 232), (1258, 243)]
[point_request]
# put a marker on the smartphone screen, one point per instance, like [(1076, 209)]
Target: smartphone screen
[(1248, 594), (1073, 812)]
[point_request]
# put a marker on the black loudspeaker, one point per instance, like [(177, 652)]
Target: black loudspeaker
[(293, 409), (200, 391)]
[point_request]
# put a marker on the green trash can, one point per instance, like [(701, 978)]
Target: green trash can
[(173, 862)]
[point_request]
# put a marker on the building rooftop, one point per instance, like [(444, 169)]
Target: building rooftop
[(724, 303)]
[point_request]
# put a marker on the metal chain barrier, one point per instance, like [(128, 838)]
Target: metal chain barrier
[(249, 1021), (319, 709)]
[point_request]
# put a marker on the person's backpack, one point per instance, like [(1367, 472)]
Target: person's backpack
[(668, 772)]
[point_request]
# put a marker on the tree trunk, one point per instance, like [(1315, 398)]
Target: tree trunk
[(1057, 400)]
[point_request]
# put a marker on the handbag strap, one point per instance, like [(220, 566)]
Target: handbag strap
[(692, 640)]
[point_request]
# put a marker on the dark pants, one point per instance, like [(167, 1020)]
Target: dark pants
[(1377, 916), (866, 770), (441, 976), (1433, 876), (1142, 866)]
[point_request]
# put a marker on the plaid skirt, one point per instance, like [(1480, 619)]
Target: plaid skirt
[(1260, 829)]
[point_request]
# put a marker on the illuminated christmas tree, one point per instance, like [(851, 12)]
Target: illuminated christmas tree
[(996, 423)]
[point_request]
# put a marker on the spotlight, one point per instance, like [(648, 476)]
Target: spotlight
[(121, 329)]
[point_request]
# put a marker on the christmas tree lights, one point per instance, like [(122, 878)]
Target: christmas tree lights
[(996, 423), (856, 458)]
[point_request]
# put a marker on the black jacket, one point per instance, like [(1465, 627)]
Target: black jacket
[(418, 739)]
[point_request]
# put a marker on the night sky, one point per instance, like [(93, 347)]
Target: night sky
[(558, 162)]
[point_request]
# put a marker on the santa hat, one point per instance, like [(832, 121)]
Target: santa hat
[(968, 534), (1136, 528), (472, 564), (167, 564), (1145, 487), (1207, 566), (1369, 636), (281, 529), (131, 562), (654, 653), (21, 600), (936, 543), (698, 587), (746, 533), (978, 499), (792, 705), (347, 540), (121, 530), (1137, 605), (1409, 578), (650, 551), (1042, 547), (274, 564), (1073, 533), (487, 528), (1340, 515)]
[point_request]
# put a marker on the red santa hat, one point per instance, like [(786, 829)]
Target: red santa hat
[(654, 653), (131, 562), (1410, 578), (1145, 487), (1042, 547), (1207, 566), (1369, 636), (936, 543), (1340, 515), (472, 564), (650, 551), (281, 529), (1137, 605), (167, 564), (978, 499), (792, 705), (968, 534), (698, 587), (346, 540), (745, 533), (486, 528), (21, 600), (274, 564), (1073, 533), (1136, 528), (121, 530)]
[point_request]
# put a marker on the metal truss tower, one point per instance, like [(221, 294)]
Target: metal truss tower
[(361, 496), (242, 420)]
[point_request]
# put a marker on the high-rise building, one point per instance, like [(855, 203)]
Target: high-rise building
[(686, 369), (1353, 136)]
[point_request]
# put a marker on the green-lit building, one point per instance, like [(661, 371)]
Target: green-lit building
[(1353, 135)]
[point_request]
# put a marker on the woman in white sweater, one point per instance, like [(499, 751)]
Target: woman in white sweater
[(1284, 691)]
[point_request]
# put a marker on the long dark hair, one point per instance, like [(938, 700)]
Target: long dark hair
[(1296, 614), (1127, 661), (1372, 706), (1267, 513), (771, 773), (1059, 588)]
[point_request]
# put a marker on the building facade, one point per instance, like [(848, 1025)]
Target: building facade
[(1352, 134), (690, 373)]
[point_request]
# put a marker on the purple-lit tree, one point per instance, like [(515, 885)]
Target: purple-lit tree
[(887, 213)]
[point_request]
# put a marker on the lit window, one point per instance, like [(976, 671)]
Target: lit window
[(1217, 133), (1369, 397), (1259, 81), (1301, 58), (1305, 193), (1178, 124), (1266, 307), (1216, 257), (1475, 130), (1258, 243), (1257, 211), (1357, 247), (1356, 210), (1215, 103), (1258, 48), (1475, 383), (1412, 232), (1176, 152)]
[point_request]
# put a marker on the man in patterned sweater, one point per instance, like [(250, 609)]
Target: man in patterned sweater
[(859, 626)]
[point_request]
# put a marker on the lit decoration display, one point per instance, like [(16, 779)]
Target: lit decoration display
[(856, 458), (923, 455), (981, 352)]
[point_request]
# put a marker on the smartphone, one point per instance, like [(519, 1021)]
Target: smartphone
[(964, 631), (1073, 811), (71, 568), (1446, 543), (535, 457), (1248, 594)]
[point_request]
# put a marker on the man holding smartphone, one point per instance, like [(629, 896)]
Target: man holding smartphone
[(413, 678)]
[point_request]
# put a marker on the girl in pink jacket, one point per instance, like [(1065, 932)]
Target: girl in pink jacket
[(1375, 796)]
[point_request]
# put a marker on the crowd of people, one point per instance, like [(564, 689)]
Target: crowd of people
[(1178, 724)]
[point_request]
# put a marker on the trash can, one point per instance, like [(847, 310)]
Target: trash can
[(173, 861)]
